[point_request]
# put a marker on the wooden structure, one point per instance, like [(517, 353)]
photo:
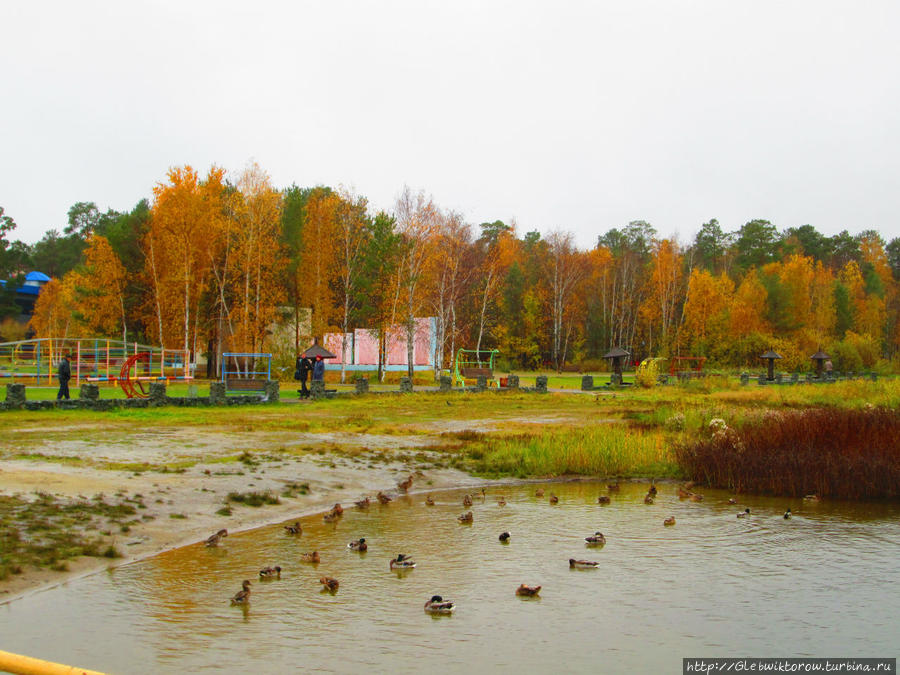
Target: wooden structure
[(474, 363), (243, 371), (771, 355), (820, 357), (317, 350), (615, 355)]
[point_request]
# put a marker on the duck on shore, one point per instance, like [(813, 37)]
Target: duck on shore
[(214, 539), (383, 498)]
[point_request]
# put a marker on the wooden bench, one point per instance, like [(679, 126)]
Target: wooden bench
[(476, 372), (245, 385)]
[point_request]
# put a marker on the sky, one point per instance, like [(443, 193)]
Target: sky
[(576, 116)]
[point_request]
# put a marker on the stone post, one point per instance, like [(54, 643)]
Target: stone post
[(481, 383), (512, 382), (762, 379), (15, 395), (217, 393), (317, 389), (874, 376), (540, 384), (616, 379), (778, 378), (446, 383), (745, 379), (810, 378), (89, 391), (157, 394), (273, 391), (795, 378), (406, 385), (362, 384), (587, 383)]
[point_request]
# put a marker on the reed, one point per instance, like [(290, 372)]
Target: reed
[(830, 452)]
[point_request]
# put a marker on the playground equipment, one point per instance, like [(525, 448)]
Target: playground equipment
[(93, 360), (473, 363), (241, 371)]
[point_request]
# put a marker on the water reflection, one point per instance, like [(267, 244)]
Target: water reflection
[(713, 584)]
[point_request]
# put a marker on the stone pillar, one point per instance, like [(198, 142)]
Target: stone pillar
[(874, 377), (272, 391), (762, 379), (810, 377), (512, 382), (362, 384), (778, 378), (317, 389), (217, 393), (745, 379), (15, 395), (795, 378), (406, 385), (157, 394), (540, 384), (90, 391), (446, 383), (481, 383), (587, 383), (616, 379)]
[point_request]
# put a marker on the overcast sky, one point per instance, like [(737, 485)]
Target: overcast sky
[(581, 116)]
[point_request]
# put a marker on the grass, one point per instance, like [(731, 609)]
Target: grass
[(255, 499)]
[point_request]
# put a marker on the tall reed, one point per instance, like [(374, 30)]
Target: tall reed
[(831, 452)]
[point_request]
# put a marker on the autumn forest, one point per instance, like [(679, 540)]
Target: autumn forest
[(209, 264)]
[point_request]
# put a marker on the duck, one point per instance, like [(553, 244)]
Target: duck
[(429, 501), (732, 500), (242, 597), (465, 517), (689, 484), (812, 498), (437, 605), (403, 486), (668, 522), (270, 572), (362, 503), (330, 517), (359, 545), (501, 501), (504, 537), (613, 487), (329, 583), (652, 490), (648, 499), (310, 557), (582, 564), (337, 510), (596, 539), (787, 514), (744, 514), (467, 501), (294, 529), (696, 498), (603, 499), (528, 591), (554, 499), (402, 562), (383, 498), (539, 492), (483, 495), (683, 494), (214, 539)]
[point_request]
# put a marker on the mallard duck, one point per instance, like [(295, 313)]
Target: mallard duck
[(811, 498), (294, 529), (732, 500), (652, 490), (539, 492), (554, 499), (402, 562), (242, 597), (613, 487), (214, 539), (683, 494), (501, 501), (603, 499), (465, 517), (437, 605), (383, 498), (596, 539), (337, 510), (744, 514), (403, 486), (329, 583), (696, 498), (310, 557), (668, 522), (582, 564), (467, 501), (504, 537), (270, 572), (429, 501), (528, 591), (359, 545), (787, 514), (330, 517), (648, 499), (362, 503)]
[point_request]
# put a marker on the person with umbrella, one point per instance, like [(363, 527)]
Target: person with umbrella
[(304, 365)]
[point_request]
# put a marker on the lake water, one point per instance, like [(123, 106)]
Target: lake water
[(825, 583)]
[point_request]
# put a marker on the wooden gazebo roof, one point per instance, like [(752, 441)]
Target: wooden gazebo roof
[(318, 350), (771, 354), (819, 356), (615, 352)]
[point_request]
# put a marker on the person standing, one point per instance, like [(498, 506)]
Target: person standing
[(65, 374), (304, 365), (319, 370)]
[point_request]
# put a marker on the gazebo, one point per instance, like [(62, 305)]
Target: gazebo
[(317, 350), (615, 356), (771, 355), (820, 358)]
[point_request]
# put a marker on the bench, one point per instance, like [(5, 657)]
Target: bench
[(476, 372), (245, 385)]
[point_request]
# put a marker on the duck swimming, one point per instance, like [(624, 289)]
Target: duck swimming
[(744, 514), (539, 492), (554, 499), (270, 572), (213, 540), (429, 501), (329, 583), (787, 514), (582, 564), (310, 557), (596, 539), (437, 605), (504, 537), (652, 490), (359, 545), (528, 591), (465, 517), (402, 562), (362, 503), (330, 517), (243, 596), (501, 501), (467, 501), (383, 498), (603, 499), (337, 510), (613, 487), (294, 529), (648, 499), (668, 522)]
